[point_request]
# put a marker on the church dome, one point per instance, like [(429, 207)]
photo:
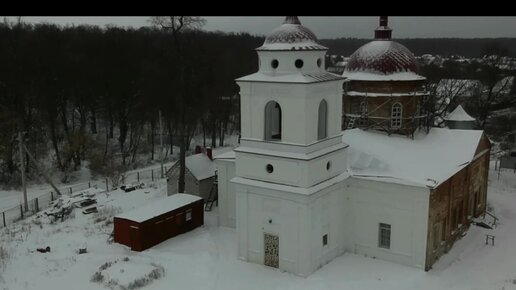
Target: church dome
[(384, 57), (291, 35)]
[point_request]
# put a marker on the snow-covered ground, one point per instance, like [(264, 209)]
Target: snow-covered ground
[(205, 258)]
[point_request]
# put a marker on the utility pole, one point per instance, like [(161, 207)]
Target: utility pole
[(22, 169), (161, 144)]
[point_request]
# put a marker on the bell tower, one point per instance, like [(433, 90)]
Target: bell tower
[(291, 112), (291, 161)]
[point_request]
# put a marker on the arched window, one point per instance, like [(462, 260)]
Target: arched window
[(396, 113), (322, 122), (272, 121), (364, 114)]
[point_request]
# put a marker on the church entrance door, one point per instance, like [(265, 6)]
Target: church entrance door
[(271, 250)]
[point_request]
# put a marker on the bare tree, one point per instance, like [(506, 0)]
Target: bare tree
[(176, 25)]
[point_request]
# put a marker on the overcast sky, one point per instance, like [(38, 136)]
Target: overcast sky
[(331, 26)]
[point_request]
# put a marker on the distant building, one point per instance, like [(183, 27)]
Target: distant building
[(199, 175), (459, 119)]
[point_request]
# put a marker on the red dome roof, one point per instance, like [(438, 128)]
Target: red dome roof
[(291, 35), (383, 57)]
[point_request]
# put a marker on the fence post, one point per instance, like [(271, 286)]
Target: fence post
[(3, 215), (70, 190), (51, 196), (89, 184), (138, 176), (152, 174), (123, 179), (37, 204), (107, 188), (21, 211), (165, 170)]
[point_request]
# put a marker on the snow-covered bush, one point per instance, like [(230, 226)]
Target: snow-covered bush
[(105, 215), (111, 279), (155, 274), (97, 277), (4, 256)]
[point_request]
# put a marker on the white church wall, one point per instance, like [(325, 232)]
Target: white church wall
[(404, 208), (330, 215), (299, 109), (226, 192), (332, 93), (287, 60), (261, 210), (290, 171)]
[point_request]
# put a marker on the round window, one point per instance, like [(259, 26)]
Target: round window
[(274, 63), (299, 63), (319, 62), (328, 165), (269, 168)]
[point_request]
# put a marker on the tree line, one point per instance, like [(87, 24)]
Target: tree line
[(87, 93), (467, 47)]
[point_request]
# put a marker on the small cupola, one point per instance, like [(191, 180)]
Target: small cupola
[(383, 32)]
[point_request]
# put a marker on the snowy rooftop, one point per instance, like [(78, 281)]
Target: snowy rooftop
[(370, 94), (428, 160), (382, 57), (200, 166), (159, 207), (226, 155), (291, 35), (378, 76), (459, 115), (291, 77)]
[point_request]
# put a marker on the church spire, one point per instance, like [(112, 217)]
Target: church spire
[(292, 20), (383, 31)]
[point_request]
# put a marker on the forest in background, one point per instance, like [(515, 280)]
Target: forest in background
[(93, 94), (446, 47)]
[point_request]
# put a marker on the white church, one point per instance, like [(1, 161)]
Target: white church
[(301, 191)]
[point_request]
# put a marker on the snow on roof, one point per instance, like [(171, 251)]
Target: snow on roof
[(291, 35), (291, 77), (376, 76), (159, 207), (200, 166), (292, 189), (226, 155), (370, 94), (459, 115), (382, 56), (428, 160)]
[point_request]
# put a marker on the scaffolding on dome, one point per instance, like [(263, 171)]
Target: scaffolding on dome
[(361, 117)]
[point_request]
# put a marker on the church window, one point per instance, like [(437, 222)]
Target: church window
[(396, 112), (299, 63), (188, 215), (325, 240), (384, 236), (269, 168), (319, 62), (274, 63), (328, 165), (272, 121), (322, 122)]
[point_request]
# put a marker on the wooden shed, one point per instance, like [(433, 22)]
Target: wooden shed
[(161, 220)]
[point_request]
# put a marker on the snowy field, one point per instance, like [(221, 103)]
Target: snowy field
[(206, 257)]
